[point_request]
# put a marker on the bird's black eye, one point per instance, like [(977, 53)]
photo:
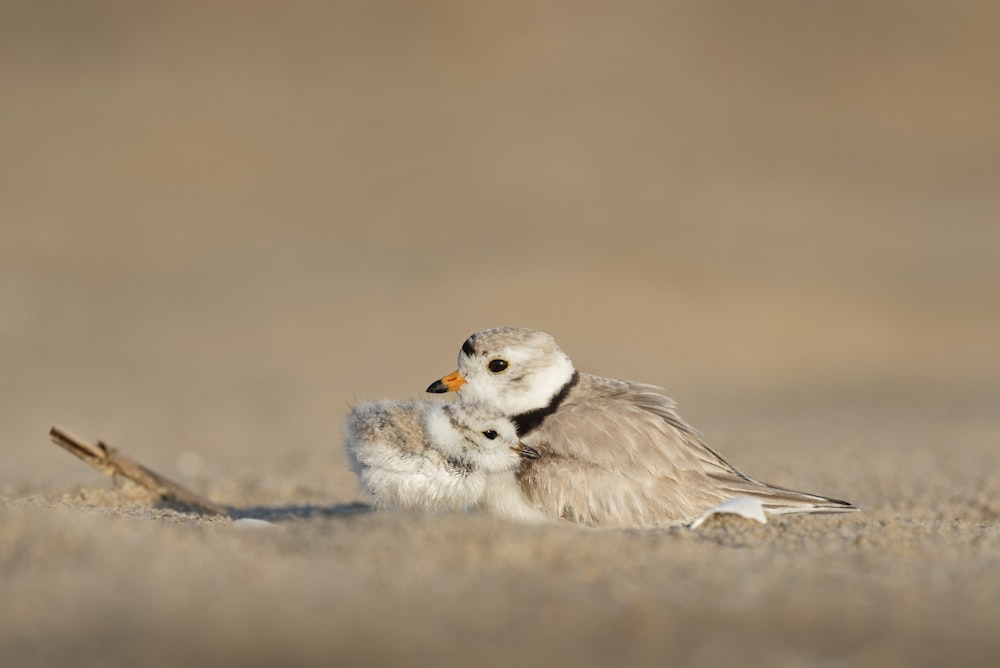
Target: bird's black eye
[(490, 434), (497, 365)]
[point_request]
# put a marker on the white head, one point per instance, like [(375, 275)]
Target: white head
[(510, 369), (474, 435)]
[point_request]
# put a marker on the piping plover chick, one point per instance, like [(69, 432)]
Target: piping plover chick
[(611, 452), (431, 455)]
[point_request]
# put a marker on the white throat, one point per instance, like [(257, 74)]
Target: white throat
[(510, 398)]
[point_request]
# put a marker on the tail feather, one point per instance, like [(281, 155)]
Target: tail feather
[(783, 501)]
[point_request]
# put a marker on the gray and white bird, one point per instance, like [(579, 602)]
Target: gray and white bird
[(611, 452), (436, 456)]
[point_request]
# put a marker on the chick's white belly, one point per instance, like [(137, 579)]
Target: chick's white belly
[(426, 481)]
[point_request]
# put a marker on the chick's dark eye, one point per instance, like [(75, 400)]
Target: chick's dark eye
[(496, 366), (490, 434)]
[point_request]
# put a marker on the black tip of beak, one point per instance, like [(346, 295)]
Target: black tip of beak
[(437, 387), (528, 452)]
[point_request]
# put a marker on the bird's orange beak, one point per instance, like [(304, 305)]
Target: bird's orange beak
[(449, 383)]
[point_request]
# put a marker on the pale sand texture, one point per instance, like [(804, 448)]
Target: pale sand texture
[(222, 223)]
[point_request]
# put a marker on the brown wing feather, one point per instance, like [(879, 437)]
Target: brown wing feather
[(617, 453)]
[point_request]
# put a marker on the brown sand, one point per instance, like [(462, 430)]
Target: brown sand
[(221, 223)]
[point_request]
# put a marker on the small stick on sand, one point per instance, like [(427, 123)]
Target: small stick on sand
[(112, 462)]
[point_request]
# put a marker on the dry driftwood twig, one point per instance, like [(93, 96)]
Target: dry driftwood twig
[(112, 462)]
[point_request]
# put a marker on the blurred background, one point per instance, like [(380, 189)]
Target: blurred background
[(221, 223)]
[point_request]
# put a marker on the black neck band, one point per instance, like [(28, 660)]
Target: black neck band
[(526, 422)]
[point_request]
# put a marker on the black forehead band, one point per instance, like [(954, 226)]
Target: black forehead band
[(468, 348)]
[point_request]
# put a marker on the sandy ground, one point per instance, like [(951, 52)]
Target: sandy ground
[(221, 225)]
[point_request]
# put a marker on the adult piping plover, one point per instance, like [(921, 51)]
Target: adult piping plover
[(612, 452), (430, 455)]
